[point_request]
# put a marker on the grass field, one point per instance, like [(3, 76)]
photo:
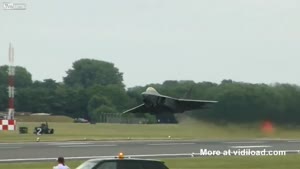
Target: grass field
[(187, 130), (235, 162)]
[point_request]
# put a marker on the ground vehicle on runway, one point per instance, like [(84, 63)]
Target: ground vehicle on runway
[(122, 163), (43, 129)]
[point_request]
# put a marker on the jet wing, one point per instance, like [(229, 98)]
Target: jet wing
[(187, 104), (138, 109)]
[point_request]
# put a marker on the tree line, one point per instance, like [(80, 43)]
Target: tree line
[(92, 87)]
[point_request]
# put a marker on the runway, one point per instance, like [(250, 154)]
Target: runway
[(40, 151)]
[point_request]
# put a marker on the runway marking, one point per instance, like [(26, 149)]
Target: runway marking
[(258, 146), (74, 146), (9, 147), (244, 142), (294, 141), (169, 144), (70, 143)]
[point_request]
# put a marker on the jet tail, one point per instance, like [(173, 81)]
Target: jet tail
[(187, 95)]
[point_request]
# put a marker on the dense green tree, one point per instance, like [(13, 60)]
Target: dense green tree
[(22, 80), (88, 72), (22, 77), (96, 101), (3, 98)]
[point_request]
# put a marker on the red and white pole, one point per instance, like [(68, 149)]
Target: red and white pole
[(10, 123), (11, 84)]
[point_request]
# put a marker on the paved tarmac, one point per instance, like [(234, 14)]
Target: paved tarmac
[(39, 151)]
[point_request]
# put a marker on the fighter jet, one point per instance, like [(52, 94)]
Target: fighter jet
[(155, 103)]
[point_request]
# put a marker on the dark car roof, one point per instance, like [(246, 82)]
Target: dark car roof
[(114, 159)]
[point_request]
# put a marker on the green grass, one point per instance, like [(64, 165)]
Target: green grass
[(234, 162), (186, 130)]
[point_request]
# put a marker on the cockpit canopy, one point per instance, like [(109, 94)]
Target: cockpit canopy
[(151, 90)]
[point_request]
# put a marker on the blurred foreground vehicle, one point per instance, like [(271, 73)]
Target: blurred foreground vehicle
[(122, 163)]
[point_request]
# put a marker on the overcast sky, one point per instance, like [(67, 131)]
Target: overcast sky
[(150, 41)]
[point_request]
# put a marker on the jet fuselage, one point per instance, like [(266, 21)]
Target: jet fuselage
[(158, 103), (155, 103)]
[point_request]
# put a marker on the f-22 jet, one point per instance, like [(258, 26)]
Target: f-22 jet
[(155, 103)]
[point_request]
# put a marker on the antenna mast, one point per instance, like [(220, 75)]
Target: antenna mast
[(11, 84)]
